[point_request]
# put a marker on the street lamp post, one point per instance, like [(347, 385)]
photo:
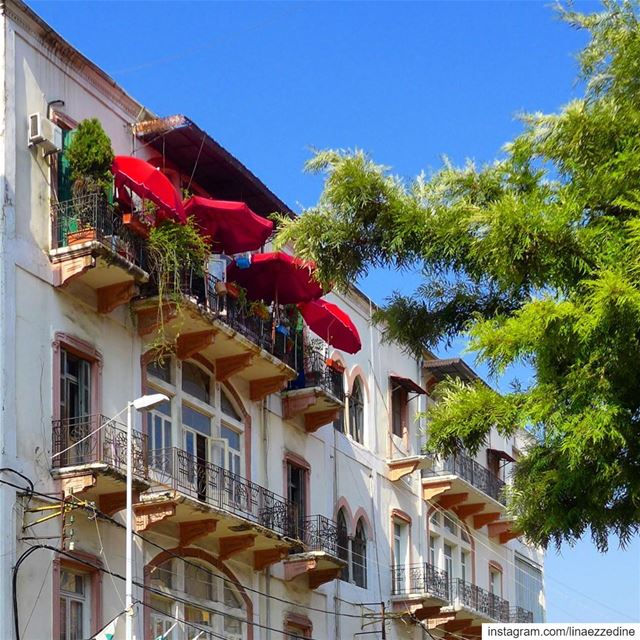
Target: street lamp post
[(144, 402)]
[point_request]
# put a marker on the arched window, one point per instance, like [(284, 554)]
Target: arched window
[(213, 605), (356, 412), (343, 544), (359, 555)]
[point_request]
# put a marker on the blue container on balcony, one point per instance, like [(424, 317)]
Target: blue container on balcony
[(283, 330), (243, 262)]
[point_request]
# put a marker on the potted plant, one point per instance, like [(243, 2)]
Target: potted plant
[(90, 157), (259, 309)]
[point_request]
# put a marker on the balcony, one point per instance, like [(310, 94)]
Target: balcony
[(216, 326), (89, 457), (316, 395), (421, 583), (471, 491), (485, 606), (193, 499), (429, 595), (317, 559), (94, 249)]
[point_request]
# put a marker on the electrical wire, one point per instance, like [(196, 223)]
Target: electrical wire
[(93, 510)]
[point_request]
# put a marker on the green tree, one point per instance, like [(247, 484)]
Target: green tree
[(536, 259)]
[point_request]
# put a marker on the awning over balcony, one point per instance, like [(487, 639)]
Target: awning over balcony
[(451, 368), (277, 277), (229, 227), (501, 455), (408, 384), (149, 183), (209, 164), (332, 324)]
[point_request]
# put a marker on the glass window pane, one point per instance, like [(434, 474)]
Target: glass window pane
[(198, 582), (231, 436), (196, 420), (63, 619), (195, 382), (160, 370), (227, 407), (75, 620)]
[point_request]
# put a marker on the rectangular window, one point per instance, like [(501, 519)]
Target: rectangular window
[(74, 608), (448, 559), (398, 411), (433, 552), (75, 409), (495, 582), (529, 588), (232, 438), (464, 565), (450, 526), (297, 491), (159, 429), (161, 620)]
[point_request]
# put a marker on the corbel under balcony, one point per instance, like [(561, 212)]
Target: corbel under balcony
[(193, 330), (314, 405), (318, 566), (401, 467)]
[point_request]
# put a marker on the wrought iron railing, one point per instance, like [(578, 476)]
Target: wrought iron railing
[(518, 614), (97, 439), (480, 600), (315, 372), (420, 578), (320, 534), (204, 291), (471, 471), (222, 489), (92, 218)]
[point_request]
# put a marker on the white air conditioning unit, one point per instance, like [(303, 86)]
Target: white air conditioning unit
[(43, 133)]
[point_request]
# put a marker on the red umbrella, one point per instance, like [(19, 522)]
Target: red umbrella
[(277, 277), (149, 183), (332, 324), (229, 226)]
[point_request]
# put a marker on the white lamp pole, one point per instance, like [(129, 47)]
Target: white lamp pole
[(145, 402)]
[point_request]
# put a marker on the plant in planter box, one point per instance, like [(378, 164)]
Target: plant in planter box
[(89, 156)]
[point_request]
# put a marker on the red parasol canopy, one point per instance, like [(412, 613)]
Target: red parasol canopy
[(149, 183), (229, 226), (332, 324), (277, 277)]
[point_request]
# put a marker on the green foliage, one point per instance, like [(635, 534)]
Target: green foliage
[(90, 157), (176, 253), (536, 259)]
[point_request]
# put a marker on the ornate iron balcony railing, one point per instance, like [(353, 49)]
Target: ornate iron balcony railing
[(315, 372), (471, 471), (420, 578), (222, 489), (97, 439), (91, 217), (518, 614), (480, 600), (203, 290), (320, 534)]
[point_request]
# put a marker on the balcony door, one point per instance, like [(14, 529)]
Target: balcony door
[(297, 493), (75, 407), (196, 432), (400, 553)]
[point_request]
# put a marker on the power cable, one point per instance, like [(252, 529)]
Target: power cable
[(173, 554)]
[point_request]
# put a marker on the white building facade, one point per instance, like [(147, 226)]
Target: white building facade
[(280, 492)]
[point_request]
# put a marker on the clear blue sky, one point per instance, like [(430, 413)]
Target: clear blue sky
[(407, 82)]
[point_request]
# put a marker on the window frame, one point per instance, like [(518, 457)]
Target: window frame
[(355, 411)]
